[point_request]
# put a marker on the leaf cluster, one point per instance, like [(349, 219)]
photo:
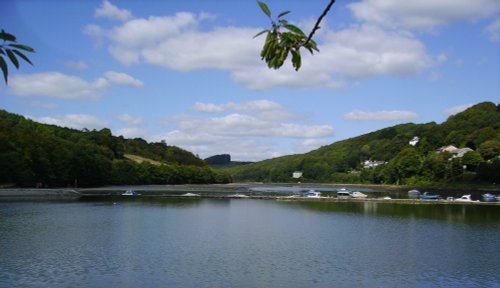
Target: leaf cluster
[(279, 44), (10, 48)]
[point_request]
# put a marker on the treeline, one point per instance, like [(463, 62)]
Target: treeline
[(34, 154), (477, 128)]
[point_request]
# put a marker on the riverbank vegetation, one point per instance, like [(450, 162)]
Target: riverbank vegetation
[(465, 149), (34, 154)]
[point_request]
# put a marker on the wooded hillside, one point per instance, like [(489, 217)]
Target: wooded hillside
[(34, 154), (386, 156)]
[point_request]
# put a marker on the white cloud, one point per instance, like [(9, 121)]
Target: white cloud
[(263, 109), (94, 30), (248, 133), (456, 109), (130, 120), (132, 132), (76, 121), (209, 107), (494, 30), (123, 79), (394, 115), (422, 14), (57, 85), (77, 65), (363, 51), (176, 42), (108, 10)]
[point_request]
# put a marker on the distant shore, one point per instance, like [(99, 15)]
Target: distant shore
[(25, 193), (266, 191)]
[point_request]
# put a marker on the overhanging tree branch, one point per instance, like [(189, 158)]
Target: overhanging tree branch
[(279, 44), (316, 26)]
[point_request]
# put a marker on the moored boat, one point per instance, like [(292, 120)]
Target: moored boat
[(238, 196), (130, 193), (312, 194), (428, 196), (489, 197), (465, 198), (343, 192), (357, 194), (190, 195), (414, 192)]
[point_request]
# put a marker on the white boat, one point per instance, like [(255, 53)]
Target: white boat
[(130, 193), (312, 194), (343, 192), (488, 197), (238, 196), (414, 192), (465, 198), (357, 194), (190, 195)]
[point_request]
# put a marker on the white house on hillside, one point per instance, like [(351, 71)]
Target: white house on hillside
[(414, 141), (297, 174), (372, 164), (457, 152)]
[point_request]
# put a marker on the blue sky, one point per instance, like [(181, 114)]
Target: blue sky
[(189, 72)]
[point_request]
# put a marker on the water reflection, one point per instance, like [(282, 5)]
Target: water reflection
[(482, 214)]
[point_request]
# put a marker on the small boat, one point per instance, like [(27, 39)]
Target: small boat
[(130, 193), (239, 196), (190, 195), (465, 198), (343, 192), (387, 198), (358, 194), (414, 193), (428, 196), (489, 197), (312, 194)]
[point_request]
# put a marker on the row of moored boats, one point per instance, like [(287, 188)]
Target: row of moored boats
[(488, 197)]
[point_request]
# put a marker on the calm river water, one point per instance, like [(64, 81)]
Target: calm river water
[(247, 243)]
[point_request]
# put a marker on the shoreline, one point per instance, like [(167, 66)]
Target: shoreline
[(219, 191)]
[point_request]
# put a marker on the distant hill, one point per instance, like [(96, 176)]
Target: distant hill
[(390, 158), (223, 161), (34, 154)]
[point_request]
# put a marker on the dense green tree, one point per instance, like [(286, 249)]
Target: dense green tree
[(490, 149), (434, 166), (471, 160), (454, 170), (408, 163), (489, 171)]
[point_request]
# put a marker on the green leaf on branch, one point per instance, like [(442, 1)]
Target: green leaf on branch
[(22, 56), (294, 29), (5, 70), (7, 37), (283, 14), (264, 8), (11, 51), (22, 47), (296, 59), (12, 58), (260, 33)]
